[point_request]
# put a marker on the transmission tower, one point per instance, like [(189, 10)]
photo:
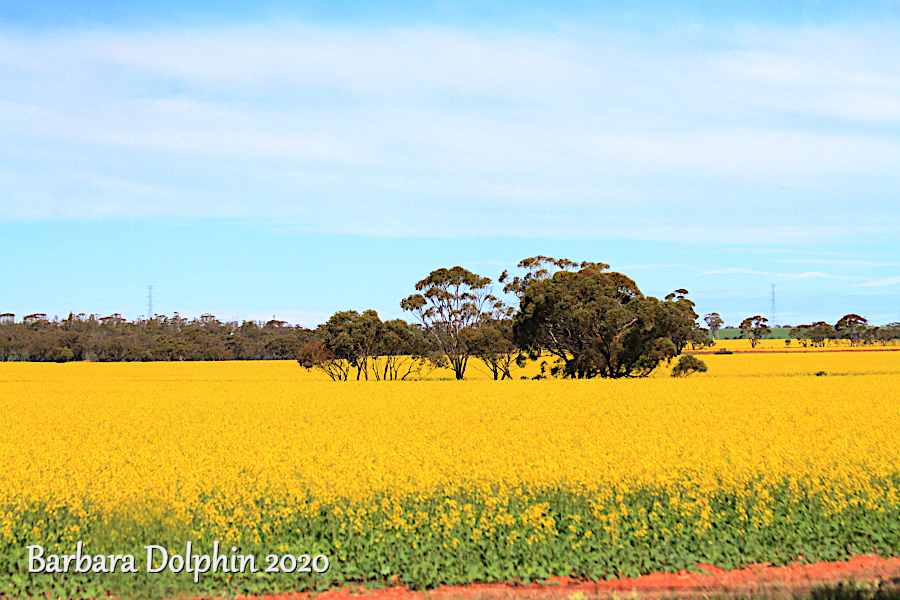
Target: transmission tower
[(150, 302), (774, 314)]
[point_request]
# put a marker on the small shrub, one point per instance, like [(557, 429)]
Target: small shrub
[(724, 351), (688, 364), (820, 373)]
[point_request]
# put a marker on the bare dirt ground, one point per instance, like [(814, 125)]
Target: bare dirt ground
[(862, 574)]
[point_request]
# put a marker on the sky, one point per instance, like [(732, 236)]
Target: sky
[(291, 159)]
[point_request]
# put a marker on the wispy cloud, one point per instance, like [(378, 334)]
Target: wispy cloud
[(841, 263), (881, 282), (680, 267), (389, 130), (781, 276)]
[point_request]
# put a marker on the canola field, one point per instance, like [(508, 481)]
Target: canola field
[(433, 482)]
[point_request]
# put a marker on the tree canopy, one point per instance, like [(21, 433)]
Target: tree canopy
[(755, 328), (596, 322), (351, 341), (452, 302), (714, 322)]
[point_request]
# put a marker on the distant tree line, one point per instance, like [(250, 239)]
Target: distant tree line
[(114, 339), (580, 319), (850, 328)]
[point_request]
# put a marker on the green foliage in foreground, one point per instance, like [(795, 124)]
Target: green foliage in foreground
[(470, 536)]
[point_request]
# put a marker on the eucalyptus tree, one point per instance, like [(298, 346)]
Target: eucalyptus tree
[(853, 327), (449, 305), (755, 328), (714, 322), (595, 322), (494, 345)]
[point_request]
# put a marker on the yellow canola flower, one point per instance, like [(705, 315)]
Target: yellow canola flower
[(239, 451)]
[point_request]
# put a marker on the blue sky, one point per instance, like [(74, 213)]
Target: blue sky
[(295, 159)]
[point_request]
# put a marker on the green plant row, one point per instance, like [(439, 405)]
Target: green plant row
[(473, 535)]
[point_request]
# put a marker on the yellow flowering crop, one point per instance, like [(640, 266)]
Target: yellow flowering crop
[(446, 481)]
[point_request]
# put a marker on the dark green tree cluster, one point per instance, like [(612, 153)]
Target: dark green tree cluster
[(458, 319), (596, 322), (113, 339), (363, 346), (590, 321)]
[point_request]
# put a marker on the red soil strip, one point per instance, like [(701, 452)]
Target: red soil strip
[(706, 582)]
